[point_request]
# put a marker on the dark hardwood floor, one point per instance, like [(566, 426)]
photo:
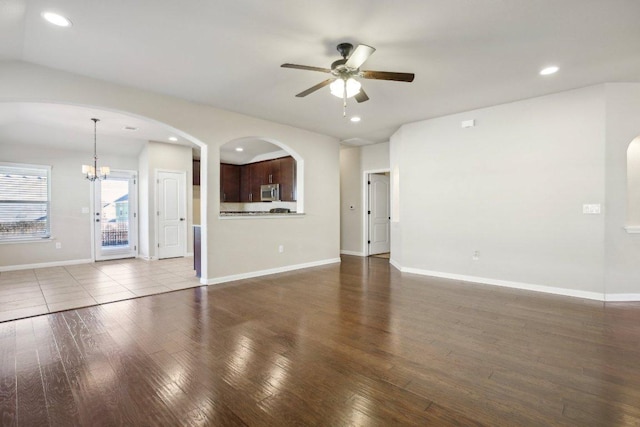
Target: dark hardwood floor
[(356, 343)]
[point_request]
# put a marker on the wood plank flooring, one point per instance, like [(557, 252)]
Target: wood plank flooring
[(356, 343)]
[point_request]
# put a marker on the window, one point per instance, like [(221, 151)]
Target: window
[(24, 201)]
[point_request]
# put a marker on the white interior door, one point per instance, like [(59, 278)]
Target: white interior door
[(379, 214), (172, 214), (115, 216)]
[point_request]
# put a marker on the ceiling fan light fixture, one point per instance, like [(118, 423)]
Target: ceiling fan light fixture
[(338, 87)]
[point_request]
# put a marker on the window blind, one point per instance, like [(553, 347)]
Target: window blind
[(24, 202)]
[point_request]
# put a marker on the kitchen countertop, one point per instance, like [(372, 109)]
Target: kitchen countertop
[(261, 214)]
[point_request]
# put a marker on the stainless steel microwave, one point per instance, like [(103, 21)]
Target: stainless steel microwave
[(270, 192)]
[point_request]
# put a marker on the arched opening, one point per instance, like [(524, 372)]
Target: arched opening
[(63, 133), (633, 186), (260, 174)]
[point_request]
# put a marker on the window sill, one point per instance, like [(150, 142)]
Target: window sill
[(21, 241), (632, 229)]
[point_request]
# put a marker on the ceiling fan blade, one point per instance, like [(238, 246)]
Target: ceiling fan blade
[(386, 75), (314, 88), (306, 67), (357, 58), (361, 96)]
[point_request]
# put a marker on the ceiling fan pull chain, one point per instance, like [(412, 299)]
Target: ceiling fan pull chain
[(344, 101)]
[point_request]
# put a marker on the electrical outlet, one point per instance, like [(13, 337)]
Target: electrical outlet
[(58, 245), (476, 255), (281, 248)]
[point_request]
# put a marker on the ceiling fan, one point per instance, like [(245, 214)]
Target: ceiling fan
[(345, 71)]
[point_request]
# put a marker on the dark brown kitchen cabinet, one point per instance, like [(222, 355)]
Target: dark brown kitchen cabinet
[(251, 176), (245, 183), (229, 182), (256, 179), (196, 172), (287, 178)]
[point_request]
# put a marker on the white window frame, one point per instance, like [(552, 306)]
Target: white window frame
[(22, 239)]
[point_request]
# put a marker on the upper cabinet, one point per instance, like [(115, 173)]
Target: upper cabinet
[(287, 178), (247, 179), (196, 172), (229, 183)]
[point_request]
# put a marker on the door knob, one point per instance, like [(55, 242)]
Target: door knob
[(181, 219)]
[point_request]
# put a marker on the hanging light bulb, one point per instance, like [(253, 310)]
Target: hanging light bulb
[(91, 171), (338, 87)]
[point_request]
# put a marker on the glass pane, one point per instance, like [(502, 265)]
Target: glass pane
[(114, 213), (24, 203)]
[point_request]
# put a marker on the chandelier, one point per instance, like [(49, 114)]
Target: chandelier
[(92, 172)]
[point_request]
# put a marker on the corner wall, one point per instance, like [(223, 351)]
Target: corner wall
[(511, 189), (164, 156), (354, 162), (622, 249)]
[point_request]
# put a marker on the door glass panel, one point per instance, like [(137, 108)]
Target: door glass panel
[(114, 214)]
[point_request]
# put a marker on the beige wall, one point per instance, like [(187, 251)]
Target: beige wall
[(70, 192), (621, 250), (235, 247), (350, 201), (354, 163), (633, 183), (511, 188), (163, 156)]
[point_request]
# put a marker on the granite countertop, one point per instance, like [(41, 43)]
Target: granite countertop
[(257, 213)]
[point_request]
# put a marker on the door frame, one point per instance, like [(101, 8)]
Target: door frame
[(365, 207), (133, 221), (156, 223)]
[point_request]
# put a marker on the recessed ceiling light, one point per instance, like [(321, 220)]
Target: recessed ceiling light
[(130, 128), (56, 19), (355, 119), (239, 149), (549, 70), (173, 138)]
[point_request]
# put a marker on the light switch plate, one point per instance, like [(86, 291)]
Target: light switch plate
[(591, 209)]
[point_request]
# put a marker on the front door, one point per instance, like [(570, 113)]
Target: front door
[(115, 216), (172, 208), (379, 214)]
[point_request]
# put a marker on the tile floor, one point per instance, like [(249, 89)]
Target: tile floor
[(25, 293)]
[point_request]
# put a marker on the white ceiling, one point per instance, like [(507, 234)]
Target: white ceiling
[(70, 127), (465, 54)]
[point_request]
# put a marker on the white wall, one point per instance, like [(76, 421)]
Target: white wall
[(511, 188), (70, 192), (235, 247), (354, 162)]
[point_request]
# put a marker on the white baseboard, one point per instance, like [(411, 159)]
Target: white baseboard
[(622, 297), (354, 253), (507, 284), (233, 277), (45, 264), (395, 263)]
